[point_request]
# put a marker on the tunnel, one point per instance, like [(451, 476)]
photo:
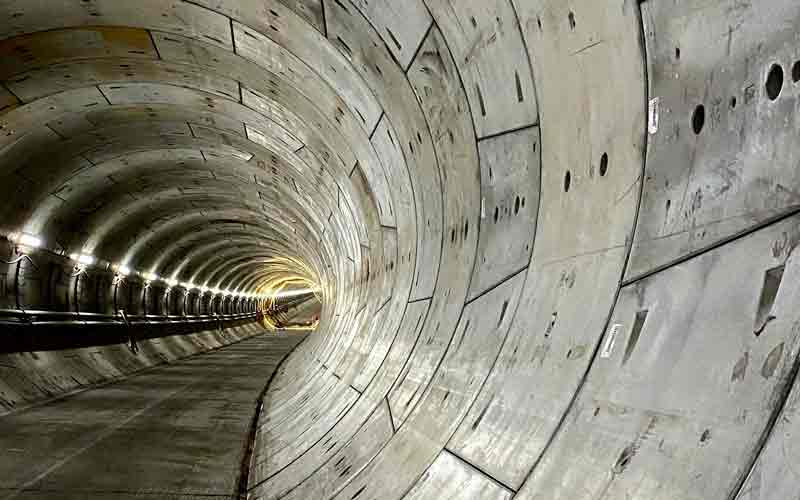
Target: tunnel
[(544, 246)]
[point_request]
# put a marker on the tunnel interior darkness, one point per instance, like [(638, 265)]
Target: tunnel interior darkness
[(553, 240)]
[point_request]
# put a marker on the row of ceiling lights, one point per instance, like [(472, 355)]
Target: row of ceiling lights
[(33, 241)]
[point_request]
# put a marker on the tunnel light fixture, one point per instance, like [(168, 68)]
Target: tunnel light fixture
[(150, 276), (172, 283), (295, 293), (83, 259), (188, 286), (26, 239), (123, 270)]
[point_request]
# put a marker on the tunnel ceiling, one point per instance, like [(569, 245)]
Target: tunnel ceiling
[(137, 134), (552, 236)]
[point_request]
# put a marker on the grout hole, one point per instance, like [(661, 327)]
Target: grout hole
[(603, 164), (698, 118), (774, 82), (796, 72), (567, 181)]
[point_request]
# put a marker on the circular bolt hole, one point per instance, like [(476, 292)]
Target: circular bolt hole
[(603, 164), (796, 72), (567, 181), (516, 206), (774, 82), (698, 118)]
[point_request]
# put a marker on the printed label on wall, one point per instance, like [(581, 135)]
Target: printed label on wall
[(608, 347), (652, 121)]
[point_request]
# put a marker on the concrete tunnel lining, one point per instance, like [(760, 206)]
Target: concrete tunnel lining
[(553, 239)]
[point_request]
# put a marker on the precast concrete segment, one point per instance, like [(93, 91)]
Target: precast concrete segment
[(554, 241), (179, 429)]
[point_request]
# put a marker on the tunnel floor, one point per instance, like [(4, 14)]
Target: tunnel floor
[(176, 431)]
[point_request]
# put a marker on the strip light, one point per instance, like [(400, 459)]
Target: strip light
[(86, 260), (26, 239), (295, 293)]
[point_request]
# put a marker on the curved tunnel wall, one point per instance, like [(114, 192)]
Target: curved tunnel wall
[(554, 239)]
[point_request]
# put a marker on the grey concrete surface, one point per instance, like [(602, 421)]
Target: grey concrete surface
[(175, 431), (554, 240)]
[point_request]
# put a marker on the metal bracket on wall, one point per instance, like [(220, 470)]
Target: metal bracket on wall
[(18, 261), (131, 339)]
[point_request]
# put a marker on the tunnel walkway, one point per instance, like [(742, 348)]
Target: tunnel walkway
[(173, 432)]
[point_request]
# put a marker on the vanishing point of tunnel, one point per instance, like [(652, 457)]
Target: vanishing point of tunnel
[(399, 249)]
